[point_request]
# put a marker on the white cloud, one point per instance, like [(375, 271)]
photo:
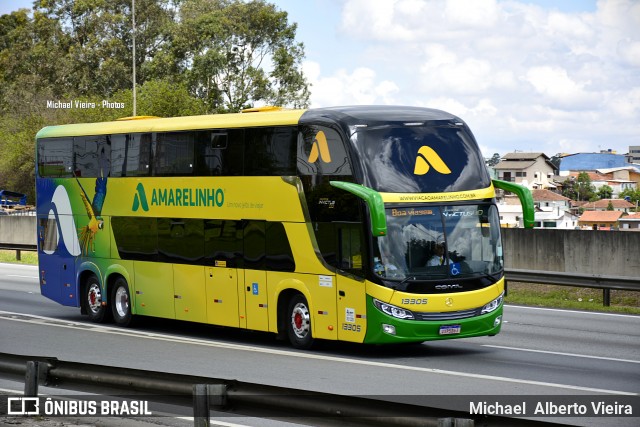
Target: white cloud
[(357, 88), (557, 88)]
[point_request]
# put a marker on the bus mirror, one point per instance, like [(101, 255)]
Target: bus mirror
[(526, 199), (373, 199)]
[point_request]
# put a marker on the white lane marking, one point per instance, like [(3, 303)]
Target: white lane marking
[(585, 356), (632, 316), (171, 338)]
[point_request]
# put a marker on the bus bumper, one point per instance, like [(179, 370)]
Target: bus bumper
[(385, 329)]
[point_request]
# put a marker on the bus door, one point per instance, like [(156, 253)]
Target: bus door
[(57, 268), (255, 276), (223, 279), (352, 307)]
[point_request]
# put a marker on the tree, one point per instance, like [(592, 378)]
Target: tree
[(632, 195), (579, 188), (97, 41), (605, 192), (235, 54), (494, 160), (555, 161)]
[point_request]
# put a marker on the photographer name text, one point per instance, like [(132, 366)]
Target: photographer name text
[(84, 105)]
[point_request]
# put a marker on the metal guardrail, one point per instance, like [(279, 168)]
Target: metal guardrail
[(606, 283), (244, 398), (18, 248)]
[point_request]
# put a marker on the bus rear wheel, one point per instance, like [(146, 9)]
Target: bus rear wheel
[(121, 303), (299, 322), (97, 310)]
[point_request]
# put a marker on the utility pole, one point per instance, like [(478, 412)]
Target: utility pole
[(133, 15)]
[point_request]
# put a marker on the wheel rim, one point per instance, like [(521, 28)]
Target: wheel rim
[(300, 320), (94, 298), (121, 302)]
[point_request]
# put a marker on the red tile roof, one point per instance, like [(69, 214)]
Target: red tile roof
[(604, 203), (600, 216), (548, 196)]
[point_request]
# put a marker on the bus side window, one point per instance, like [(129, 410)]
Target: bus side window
[(49, 235), (270, 151), (181, 240), (55, 157), (130, 154), (254, 245), (92, 156), (350, 248), (223, 243), (219, 152), (279, 255), (174, 154), (136, 238)]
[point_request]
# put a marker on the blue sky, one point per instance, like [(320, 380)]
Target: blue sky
[(528, 75)]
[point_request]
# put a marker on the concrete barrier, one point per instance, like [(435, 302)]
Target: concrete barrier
[(607, 253), (18, 230)]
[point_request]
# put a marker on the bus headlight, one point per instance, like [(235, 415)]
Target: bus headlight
[(392, 310), (493, 305)]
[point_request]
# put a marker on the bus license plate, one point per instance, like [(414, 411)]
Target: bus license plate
[(449, 330)]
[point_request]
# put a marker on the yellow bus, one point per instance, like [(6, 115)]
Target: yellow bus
[(369, 224)]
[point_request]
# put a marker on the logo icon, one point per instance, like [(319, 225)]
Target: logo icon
[(428, 158), (23, 406), (449, 302), (140, 199), (320, 148)]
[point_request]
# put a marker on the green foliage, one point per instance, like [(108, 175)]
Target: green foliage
[(579, 188), (632, 194), (605, 192), (494, 160)]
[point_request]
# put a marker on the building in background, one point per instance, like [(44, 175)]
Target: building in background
[(591, 162), (599, 220), (533, 170), (630, 222)]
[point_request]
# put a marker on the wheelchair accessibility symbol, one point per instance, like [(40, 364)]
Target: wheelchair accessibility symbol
[(454, 268)]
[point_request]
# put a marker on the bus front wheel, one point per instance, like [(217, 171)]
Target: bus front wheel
[(299, 322), (121, 303), (97, 310)]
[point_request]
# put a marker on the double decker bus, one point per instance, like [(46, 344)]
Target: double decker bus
[(369, 224)]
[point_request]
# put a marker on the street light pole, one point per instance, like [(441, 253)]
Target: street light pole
[(133, 15)]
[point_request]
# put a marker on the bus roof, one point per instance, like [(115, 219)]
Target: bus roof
[(152, 124)]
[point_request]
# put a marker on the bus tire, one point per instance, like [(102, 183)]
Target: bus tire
[(298, 320), (92, 298), (121, 302)]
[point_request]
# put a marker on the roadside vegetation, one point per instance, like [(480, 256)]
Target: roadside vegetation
[(518, 293), (26, 257), (538, 295)]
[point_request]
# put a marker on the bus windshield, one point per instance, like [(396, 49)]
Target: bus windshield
[(395, 159), (439, 242)]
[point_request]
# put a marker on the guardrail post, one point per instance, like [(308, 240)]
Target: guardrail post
[(455, 422), (606, 297), (18, 255), (31, 379), (201, 406), (205, 395)]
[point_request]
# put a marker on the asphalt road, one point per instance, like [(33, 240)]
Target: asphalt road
[(540, 352)]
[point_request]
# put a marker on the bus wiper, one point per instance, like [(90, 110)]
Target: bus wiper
[(402, 285)]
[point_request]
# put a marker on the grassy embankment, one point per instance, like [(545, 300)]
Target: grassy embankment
[(519, 293)]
